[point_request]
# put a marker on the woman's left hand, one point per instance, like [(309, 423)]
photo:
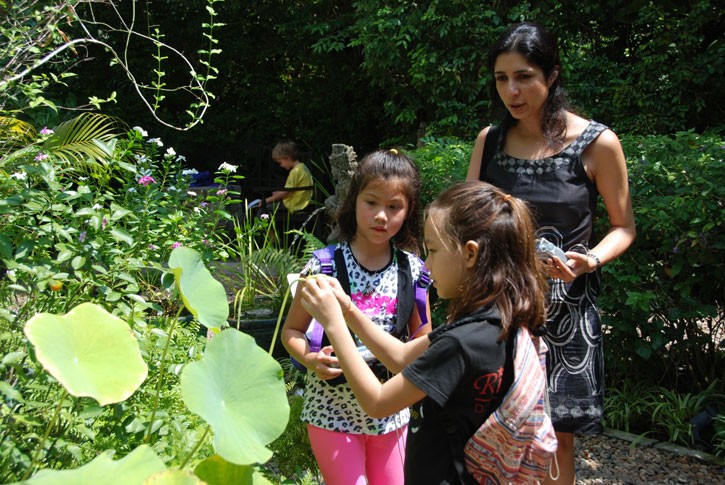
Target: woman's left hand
[(577, 265)]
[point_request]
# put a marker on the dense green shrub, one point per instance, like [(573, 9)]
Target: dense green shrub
[(663, 300), (442, 162)]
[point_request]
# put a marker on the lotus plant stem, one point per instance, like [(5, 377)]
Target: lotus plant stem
[(162, 367), (196, 447), (279, 320), (41, 443)]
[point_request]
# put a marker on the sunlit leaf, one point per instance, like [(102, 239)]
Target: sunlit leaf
[(215, 470), (202, 295), (132, 469), (174, 477), (239, 390), (89, 351)]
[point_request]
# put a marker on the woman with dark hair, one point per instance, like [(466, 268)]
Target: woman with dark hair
[(559, 163)]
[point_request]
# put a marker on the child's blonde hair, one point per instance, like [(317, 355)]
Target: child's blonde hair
[(285, 149)]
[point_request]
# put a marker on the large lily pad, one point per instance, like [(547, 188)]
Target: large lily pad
[(202, 295), (174, 477), (215, 470), (239, 390), (133, 469), (89, 351)]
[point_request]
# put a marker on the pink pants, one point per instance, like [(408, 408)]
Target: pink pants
[(348, 459)]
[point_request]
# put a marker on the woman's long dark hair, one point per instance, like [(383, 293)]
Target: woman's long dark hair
[(541, 48), (382, 165), (507, 274)]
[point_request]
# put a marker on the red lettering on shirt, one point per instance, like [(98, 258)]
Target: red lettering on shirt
[(486, 387)]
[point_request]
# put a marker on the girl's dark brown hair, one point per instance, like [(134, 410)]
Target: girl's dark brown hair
[(384, 165), (507, 273)]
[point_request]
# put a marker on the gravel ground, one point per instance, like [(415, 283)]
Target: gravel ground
[(612, 460)]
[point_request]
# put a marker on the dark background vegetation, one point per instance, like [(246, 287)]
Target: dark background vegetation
[(371, 73)]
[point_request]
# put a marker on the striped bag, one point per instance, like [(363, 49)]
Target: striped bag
[(516, 443)]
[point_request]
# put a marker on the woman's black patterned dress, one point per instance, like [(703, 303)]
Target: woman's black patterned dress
[(563, 201)]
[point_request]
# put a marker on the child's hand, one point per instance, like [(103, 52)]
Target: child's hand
[(320, 301), (326, 365)]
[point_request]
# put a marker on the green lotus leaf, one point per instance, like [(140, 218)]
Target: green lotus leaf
[(132, 469), (89, 351), (215, 470), (239, 390), (202, 295), (174, 477)]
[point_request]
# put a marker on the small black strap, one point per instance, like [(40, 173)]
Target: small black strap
[(295, 189), (406, 296), (489, 148), (341, 271)]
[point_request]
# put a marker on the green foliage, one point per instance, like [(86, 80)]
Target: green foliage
[(719, 438), (441, 162), (626, 405), (72, 241), (663, 299), (44, 41)]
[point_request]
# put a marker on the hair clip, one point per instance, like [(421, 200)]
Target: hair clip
[(507, 197), (394, 151)]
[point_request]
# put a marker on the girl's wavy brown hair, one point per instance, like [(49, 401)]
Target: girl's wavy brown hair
[(507, 273)]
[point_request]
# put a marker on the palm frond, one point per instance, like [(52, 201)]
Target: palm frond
[(87, 136)]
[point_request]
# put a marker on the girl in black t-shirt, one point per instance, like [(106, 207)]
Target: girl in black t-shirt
[(481, 256)]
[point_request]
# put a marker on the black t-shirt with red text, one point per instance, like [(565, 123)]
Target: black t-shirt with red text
[(465, 373)]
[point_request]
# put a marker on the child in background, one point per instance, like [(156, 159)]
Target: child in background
[(378, 219), (481, 256), (286, 156)]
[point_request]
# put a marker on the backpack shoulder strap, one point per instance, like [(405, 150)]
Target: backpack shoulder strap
[(408, 288), (421, 293), (489, 148), (405, 296), (327, 256), (316, 332)]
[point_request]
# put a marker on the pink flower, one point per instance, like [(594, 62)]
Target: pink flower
[(146, 179), (104, 223), (41, 156), (176, 245), (221, 191), (46, 131)]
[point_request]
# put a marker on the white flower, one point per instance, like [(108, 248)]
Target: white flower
[(19, 176), (170, 152), (141, 130), (97, 207), (191, 193), (157, 141), (197, 210), (189, 171), (264, 217), (228, 167)]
